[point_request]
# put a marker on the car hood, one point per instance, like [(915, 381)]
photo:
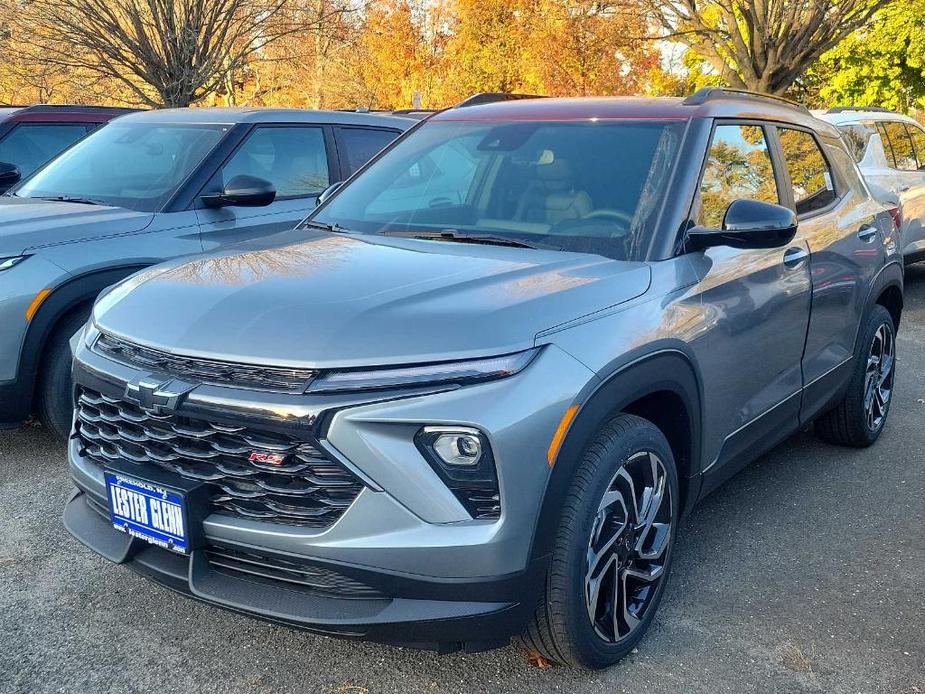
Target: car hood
[(330, 300), (28, 223)]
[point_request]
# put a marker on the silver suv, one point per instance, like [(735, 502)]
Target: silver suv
[(474, 394)]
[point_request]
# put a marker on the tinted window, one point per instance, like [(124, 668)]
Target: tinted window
[(810, 175), (293, 159), (361, 144), (31, 145), (595, 187), (901, 144), (133, 164), (856, 137), (918, 139), (738, 167)]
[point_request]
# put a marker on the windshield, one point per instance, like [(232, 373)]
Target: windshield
[(584, 186), (137, 166)]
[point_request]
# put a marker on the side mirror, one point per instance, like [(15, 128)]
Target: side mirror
[(9, 173), (328, 192), (748, 224), (242, 191)]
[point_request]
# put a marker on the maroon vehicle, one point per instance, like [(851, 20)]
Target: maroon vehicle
[(30, 136)]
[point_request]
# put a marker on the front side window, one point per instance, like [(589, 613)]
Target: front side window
[(738, 168), (586, 186), (30, 145), (292, 158), (901, 146), (135, 165), (810, 175)]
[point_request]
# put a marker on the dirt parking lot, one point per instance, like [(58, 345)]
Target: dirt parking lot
[(805, 573)]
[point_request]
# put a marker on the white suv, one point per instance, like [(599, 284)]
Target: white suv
[(890, 150)]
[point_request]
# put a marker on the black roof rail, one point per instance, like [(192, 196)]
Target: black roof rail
[(48, 108), (705, 94), (875, 109), (492, 97)]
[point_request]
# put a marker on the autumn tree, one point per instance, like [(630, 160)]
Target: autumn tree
[(164, 52), (761, 45), (881, 64)]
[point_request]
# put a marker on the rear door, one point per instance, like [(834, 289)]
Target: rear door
[(839, 222), (298, 159)]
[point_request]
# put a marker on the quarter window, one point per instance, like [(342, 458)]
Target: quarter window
[(901, 144), (293, 159), (738, 167), (810, 175)]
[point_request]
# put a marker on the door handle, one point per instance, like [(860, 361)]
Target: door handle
[(867, 233), (794, 256)]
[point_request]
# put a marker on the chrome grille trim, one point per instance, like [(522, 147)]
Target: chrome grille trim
[(209, 371), (306, 489)]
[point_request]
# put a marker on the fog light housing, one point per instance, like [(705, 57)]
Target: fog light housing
[(463, 459)]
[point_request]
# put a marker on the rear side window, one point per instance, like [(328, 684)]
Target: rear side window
[(810, 175), (293, 159), (901, 145), (359, 145), (738, 167), (918, 140), (31, 145)]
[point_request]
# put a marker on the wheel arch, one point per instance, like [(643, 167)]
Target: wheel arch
[(75, 294), (662, 387)]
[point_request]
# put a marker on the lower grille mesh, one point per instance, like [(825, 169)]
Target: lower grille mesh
[(304, 488)]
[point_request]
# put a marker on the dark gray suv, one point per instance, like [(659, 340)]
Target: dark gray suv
[(472, 396), (148, 187)]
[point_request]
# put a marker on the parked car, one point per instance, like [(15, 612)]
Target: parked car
[(890, 150), (474, 393), (33, 135), (148, 187)]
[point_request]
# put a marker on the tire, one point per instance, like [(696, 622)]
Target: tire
[(859, 418), (55, 406), (562, 629)]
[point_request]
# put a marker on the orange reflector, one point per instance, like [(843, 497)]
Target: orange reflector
[(36, 302), (559, 436)]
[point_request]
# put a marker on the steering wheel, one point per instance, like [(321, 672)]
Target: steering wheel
[(616, 215)]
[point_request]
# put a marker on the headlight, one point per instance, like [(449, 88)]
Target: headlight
[(467, 371), (7, 263)]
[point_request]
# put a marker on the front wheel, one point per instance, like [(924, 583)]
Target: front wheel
[(612, 552), (859, 418), (55, 405)]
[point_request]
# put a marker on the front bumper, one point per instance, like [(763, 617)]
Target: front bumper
[(398, 609), (438, 578)]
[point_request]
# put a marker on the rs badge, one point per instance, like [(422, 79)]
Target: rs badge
[(267, 458)]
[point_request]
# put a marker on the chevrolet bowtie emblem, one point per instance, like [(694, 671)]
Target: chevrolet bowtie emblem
[(157, 394)]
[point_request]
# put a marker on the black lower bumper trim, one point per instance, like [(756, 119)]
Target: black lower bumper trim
[(440, 624)]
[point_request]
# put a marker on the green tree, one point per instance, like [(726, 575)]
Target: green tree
[(882, 64)]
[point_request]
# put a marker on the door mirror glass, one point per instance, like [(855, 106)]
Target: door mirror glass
[(9, 173), (748, 224), (243, 191)]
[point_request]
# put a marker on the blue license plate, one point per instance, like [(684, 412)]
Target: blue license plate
[(147, 511)]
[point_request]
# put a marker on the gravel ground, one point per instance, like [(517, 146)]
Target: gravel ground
[(805, 573)]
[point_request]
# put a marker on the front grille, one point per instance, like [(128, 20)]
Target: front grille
[(316, 579), (305, 489), (209, 371)]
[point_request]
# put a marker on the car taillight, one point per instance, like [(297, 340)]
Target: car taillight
[(897, 214)]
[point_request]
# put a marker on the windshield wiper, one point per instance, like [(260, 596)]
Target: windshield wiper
[(459, 237), (337, 228), (71, 198)]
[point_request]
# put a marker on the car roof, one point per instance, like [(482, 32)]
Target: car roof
[(717, 103), (232, 116), (70, 113), (843, 116)]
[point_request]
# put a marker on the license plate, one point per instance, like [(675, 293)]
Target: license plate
[(148, 511)]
